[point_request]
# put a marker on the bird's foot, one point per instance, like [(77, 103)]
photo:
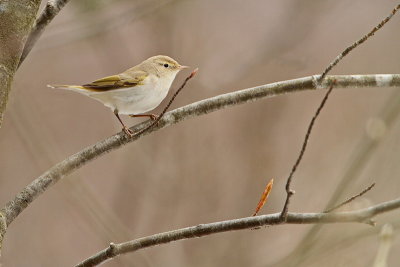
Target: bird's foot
[(128, 131), (153, 117)]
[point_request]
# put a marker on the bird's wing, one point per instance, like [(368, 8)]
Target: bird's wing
[(118, 81)]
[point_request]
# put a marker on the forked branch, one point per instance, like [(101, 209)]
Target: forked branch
[(13, 208), (358, 42), (289, 191), (361, 216)]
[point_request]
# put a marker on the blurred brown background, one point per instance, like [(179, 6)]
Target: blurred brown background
[(213, 167)]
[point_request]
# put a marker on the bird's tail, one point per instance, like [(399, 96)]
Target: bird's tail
[(63, 86), (76, 88)]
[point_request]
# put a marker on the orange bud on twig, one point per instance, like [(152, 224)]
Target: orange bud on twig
[(264, 197)]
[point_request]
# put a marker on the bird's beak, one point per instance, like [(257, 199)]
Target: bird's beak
[(183, 67)]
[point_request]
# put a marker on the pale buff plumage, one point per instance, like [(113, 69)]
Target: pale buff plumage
[(134, 91)]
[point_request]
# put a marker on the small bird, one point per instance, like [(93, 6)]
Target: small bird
[(134, 91)]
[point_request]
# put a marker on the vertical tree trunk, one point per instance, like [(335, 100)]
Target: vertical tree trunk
[(16, 20)]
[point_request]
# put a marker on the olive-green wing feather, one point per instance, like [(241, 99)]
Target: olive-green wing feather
[(118, 81)]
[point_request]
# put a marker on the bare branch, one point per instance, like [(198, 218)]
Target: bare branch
[(357, 43), (358, 158), (72, 163), (361, 215), (289, 191), (351, 199), (49, 12)]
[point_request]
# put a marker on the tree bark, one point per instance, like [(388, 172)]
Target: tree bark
[(17, 18)]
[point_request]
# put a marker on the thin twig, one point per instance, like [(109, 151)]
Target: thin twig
[(49, 12), (357, 160), (350, 199), (386, 237), (357, 43), (156, 121), (361, 215), (289, 191), (65, 167)]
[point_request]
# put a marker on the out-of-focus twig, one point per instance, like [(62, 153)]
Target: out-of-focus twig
[(49, 12), (357, 43), (102, 221), (386, 238), (362, 215), (350, 199), (14, 207), (289, 191), (338, 243)]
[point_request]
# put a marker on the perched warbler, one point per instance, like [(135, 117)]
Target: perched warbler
[(134, 91)]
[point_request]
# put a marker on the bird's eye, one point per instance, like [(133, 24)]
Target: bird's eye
[(166, 65)]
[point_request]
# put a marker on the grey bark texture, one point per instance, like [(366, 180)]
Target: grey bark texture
[(17, 18), (49, 12)]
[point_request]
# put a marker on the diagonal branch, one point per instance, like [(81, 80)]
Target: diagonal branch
[(361, 216), (358, 42), (13, 208), (347, 201), (289, 191), (358, 158), (49, 12)]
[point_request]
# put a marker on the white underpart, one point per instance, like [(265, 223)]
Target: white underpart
[(135, 100)]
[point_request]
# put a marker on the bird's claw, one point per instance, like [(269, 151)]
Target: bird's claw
[(153, 117), (128, 131)]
